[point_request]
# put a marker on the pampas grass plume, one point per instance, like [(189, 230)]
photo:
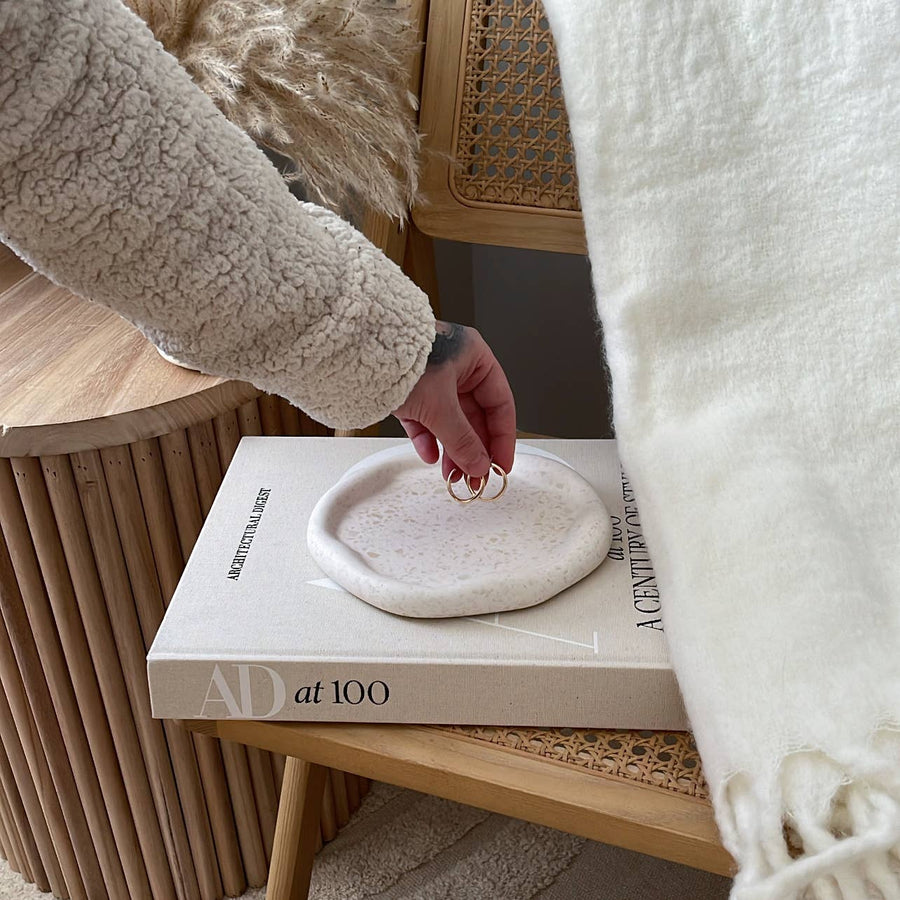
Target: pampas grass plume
[(320, 82)]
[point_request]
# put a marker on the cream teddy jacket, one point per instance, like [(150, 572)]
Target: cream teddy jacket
[(120, 180)]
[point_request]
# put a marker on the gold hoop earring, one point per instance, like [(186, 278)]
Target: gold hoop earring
[(475, 495), (494, 468)]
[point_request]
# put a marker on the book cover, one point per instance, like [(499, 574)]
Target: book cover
[(255, 630)]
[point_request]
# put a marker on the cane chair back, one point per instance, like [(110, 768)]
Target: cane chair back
[(498, 165)]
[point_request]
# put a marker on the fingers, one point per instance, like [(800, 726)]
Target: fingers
[(423, 441), (475, 415), (462, 400), (495, 399), (450, 469), (463, 448), (426, 446)]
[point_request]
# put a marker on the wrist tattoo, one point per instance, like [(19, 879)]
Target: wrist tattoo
[(448, 342)]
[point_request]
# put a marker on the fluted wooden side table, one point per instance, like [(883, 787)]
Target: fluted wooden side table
[(110, 458)]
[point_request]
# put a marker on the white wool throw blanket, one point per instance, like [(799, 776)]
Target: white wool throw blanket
[(737, 164)]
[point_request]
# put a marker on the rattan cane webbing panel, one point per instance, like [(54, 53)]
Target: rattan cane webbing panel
[(664, 759), (512, 143)]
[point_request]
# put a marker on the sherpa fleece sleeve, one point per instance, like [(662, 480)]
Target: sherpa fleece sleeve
[(121, 181)]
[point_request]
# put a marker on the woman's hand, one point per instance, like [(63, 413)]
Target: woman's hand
[(464, 401)]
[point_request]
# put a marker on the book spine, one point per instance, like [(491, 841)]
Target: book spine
[(417, 692)]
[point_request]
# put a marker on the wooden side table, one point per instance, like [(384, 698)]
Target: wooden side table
[(110, 458), (639, 790)]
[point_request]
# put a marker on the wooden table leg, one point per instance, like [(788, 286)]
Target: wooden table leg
[(296, 830)]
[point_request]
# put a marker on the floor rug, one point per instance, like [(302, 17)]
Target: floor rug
[(403, 845)]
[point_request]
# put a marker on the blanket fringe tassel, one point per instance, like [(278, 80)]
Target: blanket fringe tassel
[(821, 829)]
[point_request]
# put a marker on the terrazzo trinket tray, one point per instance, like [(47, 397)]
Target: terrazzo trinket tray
[(390, 534)]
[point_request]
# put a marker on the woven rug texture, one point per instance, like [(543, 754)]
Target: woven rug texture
[(403, 845)]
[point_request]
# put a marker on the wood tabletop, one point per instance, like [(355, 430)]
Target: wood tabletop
[(76, 376)]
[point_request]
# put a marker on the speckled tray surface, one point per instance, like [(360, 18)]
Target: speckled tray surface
[(389, 533)]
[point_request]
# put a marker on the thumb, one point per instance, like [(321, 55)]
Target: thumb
[(462, 444)]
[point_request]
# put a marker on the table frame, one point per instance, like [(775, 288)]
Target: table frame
[(631, 815)]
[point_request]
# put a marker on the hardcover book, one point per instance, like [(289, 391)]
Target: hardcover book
[(255, 629)]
